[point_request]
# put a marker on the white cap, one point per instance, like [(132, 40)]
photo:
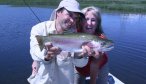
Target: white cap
[(70, 5)]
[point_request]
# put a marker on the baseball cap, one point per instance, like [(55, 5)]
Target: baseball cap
[(70, 5)]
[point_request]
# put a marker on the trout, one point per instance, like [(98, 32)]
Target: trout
[(73, 42)]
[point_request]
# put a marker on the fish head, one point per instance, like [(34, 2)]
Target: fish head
[(101, 45), (106, 45)]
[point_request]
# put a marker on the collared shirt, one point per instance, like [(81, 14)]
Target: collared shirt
[(60, 69)]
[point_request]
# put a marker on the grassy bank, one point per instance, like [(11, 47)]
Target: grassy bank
[(137, 6)]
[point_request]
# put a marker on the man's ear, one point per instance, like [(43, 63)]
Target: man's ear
[(58, 13)]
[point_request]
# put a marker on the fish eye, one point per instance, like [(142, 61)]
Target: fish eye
[(103, 43)]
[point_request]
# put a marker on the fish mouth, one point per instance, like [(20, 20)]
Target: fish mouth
[(107, 48)]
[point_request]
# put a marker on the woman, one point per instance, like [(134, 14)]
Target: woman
[(97, 67)]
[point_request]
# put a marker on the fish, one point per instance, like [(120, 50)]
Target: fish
[(72, 42)]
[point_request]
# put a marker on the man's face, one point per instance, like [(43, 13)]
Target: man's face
[(66, 19)]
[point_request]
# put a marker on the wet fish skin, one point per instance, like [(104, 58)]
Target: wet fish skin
[(72, 42)]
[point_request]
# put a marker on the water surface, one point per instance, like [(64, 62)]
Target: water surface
[(128, 59)]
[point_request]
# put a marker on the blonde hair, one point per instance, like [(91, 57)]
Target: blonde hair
[(97, 14)]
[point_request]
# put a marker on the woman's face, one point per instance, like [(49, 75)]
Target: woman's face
[(90, 23)]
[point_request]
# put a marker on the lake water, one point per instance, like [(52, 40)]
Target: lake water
[(127, 61)]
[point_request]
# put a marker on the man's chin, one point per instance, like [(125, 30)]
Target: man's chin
[(69, 30), (88, 28), (66, 28)]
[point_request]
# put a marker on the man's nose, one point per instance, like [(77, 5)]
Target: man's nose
[(72, 20)]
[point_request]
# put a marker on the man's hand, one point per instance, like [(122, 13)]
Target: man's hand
[(51, 51), (35, 67)]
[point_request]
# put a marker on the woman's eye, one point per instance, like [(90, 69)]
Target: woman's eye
[(93, 19)]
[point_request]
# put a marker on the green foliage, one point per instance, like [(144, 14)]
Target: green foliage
[(112, 5), (137, 6)]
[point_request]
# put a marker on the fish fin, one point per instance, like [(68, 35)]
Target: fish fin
[(40, 41)]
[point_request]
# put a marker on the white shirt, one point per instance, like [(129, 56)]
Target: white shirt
[(59, 70)]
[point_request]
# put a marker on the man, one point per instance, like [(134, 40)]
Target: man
[(51, 65)]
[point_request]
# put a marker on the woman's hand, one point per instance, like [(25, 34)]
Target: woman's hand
[(90, 51)]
